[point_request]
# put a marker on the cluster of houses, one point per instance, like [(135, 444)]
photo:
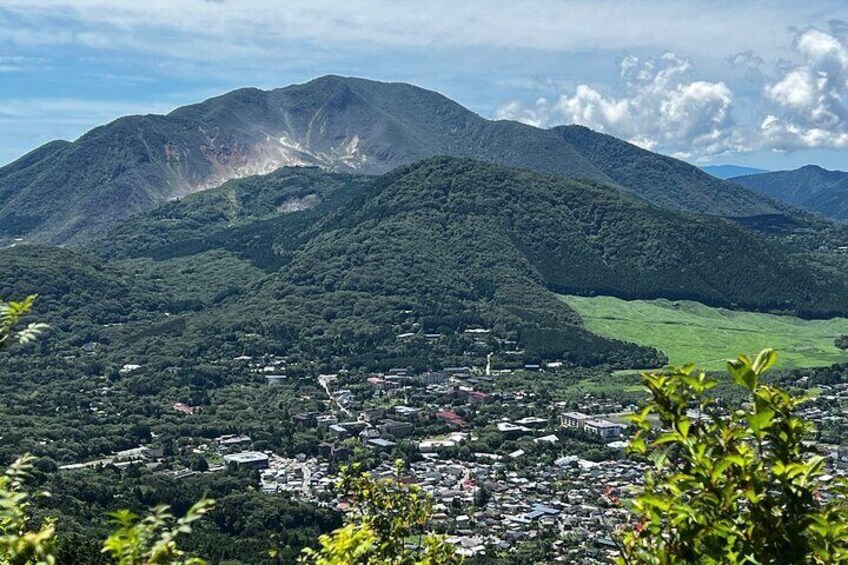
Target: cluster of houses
[(490, 501), (486, 507)]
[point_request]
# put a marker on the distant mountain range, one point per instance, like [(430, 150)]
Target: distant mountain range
[(65, 192), (811, 187), (731, 171)]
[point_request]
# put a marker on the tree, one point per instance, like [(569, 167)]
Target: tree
[(11, 314), (737, 487), (19, 543), (152, 540), (147, 541), (385, 526)]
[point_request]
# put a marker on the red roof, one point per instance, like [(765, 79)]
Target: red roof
[(451, 417)]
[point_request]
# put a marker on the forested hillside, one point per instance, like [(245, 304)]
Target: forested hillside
[(812, 187)]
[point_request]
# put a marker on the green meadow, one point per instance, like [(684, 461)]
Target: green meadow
[(691, 332)]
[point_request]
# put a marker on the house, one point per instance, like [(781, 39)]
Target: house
[(573, 419), (434, 378), (275, 380), (333, 451), (510, 430), (371, 414), (184, 408), (540, 510), (369, 433), (431, 445), (324, 421), (395, 428), (380, 443), (339, 431), (380, 383), (603, 428), (477, 397), (232, 441), (252, 459), (408, 412), (532, 422), (305, 419), (452, 418)]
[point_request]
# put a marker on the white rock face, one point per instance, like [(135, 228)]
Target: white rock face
[(269, 155)]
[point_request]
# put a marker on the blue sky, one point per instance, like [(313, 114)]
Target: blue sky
[(758, 83)]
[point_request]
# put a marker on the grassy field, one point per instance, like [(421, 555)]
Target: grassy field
[(692, 332)]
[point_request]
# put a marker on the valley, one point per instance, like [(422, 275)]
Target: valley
[(250, 293), (691, 332)]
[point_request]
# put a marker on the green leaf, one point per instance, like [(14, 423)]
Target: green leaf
[(765, 360), (761, 420)]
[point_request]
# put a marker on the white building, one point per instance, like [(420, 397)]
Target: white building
[(574, 419), (603, 428)]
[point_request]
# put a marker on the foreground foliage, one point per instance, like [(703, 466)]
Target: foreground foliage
[(737, 488), (386, 525), (20, 541), (11, 315)]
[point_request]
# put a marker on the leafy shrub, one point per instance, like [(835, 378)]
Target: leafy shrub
[(741, 487)]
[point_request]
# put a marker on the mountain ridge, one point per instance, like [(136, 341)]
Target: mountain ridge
[(66, 192), (812, 187)]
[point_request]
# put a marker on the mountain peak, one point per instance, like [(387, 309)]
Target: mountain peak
[(811, 186), (339, 123)]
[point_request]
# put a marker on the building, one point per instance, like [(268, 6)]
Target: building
[(477, 397), (305, 419), (380, 383), (324, 421), (275, 380), (604, 428), (333, 451), (408, 412), (232, 441), (380, 443), (395, 428), (184, 408), (532, 422), (452, 418), (510, 430), (574, 419), (434, 378), (339, 431), (371, 414), (252, 459)]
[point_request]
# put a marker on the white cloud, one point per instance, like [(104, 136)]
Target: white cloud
[(809, 102), (660, 108), (202, 30)]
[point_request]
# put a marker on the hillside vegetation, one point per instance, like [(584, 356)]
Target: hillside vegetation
[(812, 187)]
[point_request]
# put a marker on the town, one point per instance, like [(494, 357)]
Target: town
[(504, 461)]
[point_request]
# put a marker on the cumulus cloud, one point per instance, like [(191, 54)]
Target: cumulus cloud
[(808, 102), (660, 108)]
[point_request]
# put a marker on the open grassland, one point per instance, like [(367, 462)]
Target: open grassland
[(691, 332)]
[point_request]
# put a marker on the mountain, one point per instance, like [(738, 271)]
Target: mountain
[(67, 192), (661, 180), (439, 246), (730, 171), (812, 187)]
